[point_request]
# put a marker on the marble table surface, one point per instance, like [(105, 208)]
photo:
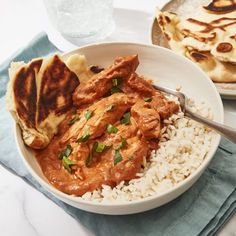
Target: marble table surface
[(24, 210)]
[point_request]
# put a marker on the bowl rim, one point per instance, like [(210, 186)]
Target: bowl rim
[(200, 169)]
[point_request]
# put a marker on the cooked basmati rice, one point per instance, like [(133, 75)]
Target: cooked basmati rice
[(184, 144)]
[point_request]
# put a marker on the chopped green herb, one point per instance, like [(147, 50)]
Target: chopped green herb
[(84, 137), (88, 114), (116, 90), (123, 143), (74, 119), (126, 118), (147, 99), (110, 108), (111, 129), (97, 147), (66, 152), (118, 158), (67, 163), (101, 147), (116, 81), (88, 161)]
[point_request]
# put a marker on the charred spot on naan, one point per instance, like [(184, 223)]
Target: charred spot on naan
[(25, 92), (198, 57), (221, 7), (224, 47), (57, 85)]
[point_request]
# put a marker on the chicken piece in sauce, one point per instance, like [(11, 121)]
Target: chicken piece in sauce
[(100, 84), (147, 119), (105, 111), (114, 134)]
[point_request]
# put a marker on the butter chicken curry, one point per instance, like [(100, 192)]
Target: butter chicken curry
[(113, 126)]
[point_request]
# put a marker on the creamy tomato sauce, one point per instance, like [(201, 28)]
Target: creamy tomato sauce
[(109, 133)]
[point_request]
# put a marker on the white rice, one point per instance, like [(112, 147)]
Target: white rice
[(184, 144)]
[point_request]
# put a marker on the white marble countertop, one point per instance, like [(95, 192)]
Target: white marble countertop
[(22, 208)]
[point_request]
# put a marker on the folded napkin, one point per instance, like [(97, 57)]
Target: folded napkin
[(202, 210)]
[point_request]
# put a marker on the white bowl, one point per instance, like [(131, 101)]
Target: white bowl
[(165, 68)]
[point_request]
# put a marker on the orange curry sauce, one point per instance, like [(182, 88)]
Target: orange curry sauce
[(113, 127)]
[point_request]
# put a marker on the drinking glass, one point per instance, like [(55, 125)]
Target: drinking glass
[(84, 20)]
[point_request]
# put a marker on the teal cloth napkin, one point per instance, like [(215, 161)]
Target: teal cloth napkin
[(202, 210)]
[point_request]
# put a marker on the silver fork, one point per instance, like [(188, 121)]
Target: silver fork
[(226, 131)]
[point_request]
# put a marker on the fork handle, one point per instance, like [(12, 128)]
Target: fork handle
[(224, 130)]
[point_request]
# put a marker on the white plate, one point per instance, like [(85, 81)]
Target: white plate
[(165, 68), (188, 8), (227, 90)]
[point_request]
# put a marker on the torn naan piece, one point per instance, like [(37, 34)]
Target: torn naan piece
[(78, 64), (218, 71), (39, 95), (208, 39)]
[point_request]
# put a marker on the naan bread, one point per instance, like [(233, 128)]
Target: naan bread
[(78, 64), (209, 40), (39, 95)]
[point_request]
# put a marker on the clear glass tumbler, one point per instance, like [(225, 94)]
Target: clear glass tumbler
[(85, 20)]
